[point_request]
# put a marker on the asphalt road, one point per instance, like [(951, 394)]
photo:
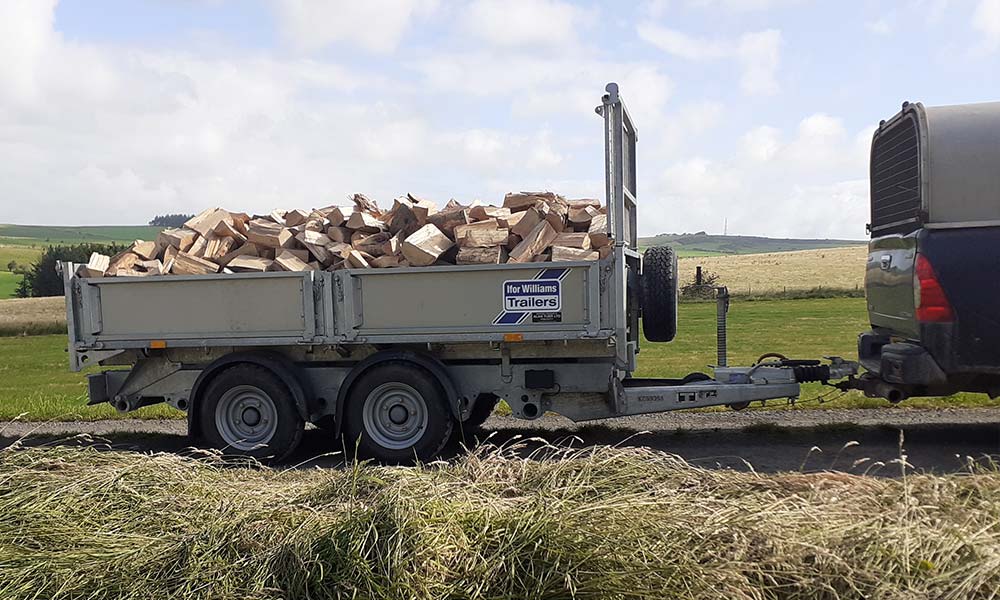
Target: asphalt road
[(858, 441)]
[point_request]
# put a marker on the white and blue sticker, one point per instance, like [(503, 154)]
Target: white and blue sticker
[(539, 298)]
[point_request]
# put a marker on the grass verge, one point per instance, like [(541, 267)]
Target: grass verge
[(600, 523)]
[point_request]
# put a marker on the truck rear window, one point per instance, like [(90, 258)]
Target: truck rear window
[(895, 179)]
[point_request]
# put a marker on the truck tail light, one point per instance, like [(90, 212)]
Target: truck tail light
[(932, 303)]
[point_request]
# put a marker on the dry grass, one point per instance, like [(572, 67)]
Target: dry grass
[(32, 316), (600, 523), (832, 268)]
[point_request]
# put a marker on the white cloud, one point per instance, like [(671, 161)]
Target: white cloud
[(880, 26), (986, 19), (758, 53), (761, 143), (739, 6), (683, 45), (521, 23), (810, 184), (374, 25)]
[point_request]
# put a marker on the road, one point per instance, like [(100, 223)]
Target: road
[(855, 441)]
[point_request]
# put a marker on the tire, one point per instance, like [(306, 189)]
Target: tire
[(659, 294), (397, 413), (247, 410), (481, 410)]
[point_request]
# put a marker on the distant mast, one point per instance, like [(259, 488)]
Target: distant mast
[(725, 226)]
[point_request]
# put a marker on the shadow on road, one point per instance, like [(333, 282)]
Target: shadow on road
[(768, 448)]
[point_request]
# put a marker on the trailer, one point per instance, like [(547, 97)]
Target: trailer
[(397, 361)]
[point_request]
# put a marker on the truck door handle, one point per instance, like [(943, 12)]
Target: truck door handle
[(886, 262)]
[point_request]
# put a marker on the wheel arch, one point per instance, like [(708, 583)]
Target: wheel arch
[(429, 363), (274, 362)]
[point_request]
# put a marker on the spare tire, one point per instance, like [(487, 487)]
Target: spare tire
[(659, 294)]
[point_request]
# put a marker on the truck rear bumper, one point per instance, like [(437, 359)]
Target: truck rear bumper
[(903, 363)]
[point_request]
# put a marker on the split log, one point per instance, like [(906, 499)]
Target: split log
[(599, 232), (562, 253), (269, 235), (449, 218), (224, 229), (425, 245), (366, 204), (460, 230), (357, 259), (526, 223), (247, 249), (145, 250), (187, 264), (481, 256), (372, 244), (403, 220), (387, 261), (573, 240), (296, 217), (198, 247), (316, 242), (393, 245), (152, 267), (483, 238), (483, 213), (537, 240), (248, 263), (123, 261), (290, 260), (205, 221), (339, 234), (362, 221), (178, 238), (582, 216), (335, 215), (422, 209)]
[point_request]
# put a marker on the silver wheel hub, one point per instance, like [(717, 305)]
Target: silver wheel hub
[(246, 417), (395, 415)]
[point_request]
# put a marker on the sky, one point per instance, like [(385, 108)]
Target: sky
[(752, 115)]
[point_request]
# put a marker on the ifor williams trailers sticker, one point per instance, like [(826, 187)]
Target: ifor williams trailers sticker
[(540, 298)]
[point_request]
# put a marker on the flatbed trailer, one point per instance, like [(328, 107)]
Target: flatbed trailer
[(397, 360)]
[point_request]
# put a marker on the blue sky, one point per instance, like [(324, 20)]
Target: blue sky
[(755, 111)]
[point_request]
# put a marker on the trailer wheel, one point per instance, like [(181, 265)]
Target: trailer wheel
[(397, 413), (481, 410), (247, 410), (659, 294)]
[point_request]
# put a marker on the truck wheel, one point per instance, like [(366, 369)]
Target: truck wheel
[(247, 410), (659, 294), (397, 413)]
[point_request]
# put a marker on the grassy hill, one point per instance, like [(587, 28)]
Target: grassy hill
[(701, 244), (24, 243)]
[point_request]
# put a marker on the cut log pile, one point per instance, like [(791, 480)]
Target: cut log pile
[(529, 227)]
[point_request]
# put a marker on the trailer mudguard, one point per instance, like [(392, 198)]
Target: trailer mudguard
[(430, 363), (272, 361)]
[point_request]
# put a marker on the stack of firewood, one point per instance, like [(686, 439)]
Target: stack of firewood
[(529, 227)]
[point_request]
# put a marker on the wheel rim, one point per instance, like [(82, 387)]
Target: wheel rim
[(395, 415), (246, 417)]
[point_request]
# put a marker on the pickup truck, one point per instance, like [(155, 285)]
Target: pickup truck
[(933, 274), (397, 361)]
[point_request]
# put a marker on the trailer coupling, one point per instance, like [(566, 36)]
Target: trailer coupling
[(770, 378)]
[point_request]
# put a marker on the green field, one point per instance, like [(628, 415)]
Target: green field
[(34, 377), (45, 235), (8, 283)]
